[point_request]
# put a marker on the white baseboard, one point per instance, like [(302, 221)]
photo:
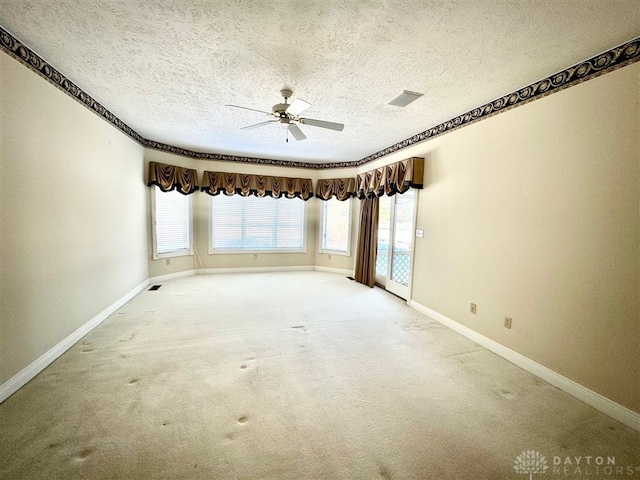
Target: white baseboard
[(341, 271), (591, 398), (254, 269), (171, 276), (207, 271), (20, 379)]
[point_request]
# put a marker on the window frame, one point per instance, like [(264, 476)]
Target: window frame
[(321, 230), (154, 233), (247, 251)]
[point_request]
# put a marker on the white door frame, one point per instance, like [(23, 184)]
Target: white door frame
[(402, 291)]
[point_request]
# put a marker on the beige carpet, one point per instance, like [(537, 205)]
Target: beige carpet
[(302, 375)]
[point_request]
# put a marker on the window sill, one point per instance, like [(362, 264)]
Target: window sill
[(335, 252), (181, 253)]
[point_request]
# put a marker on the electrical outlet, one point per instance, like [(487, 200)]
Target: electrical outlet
[(329, 256), (255, 256), (167, 261), (473, 308), (507, 322)]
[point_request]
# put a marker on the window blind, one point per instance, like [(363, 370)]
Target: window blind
[(256, 223), (335, 225), (172, 222)]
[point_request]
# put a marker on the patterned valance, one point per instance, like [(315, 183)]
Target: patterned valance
[(391, 179), (341, 188), (215, 183), (170, 177)]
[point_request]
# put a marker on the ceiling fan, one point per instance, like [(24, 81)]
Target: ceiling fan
[(289, 115)]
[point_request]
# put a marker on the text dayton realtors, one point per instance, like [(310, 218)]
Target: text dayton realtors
[(589, 465)]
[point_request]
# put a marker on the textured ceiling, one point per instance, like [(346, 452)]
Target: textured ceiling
[(167, 68)]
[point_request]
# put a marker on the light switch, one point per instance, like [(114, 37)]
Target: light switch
[(419, 233)]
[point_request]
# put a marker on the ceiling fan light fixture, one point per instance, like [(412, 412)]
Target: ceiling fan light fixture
[(405, 98)]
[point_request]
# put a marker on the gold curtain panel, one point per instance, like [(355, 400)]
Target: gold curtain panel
[(365, 269), (170, 177), (391, 179), (341, 188), (215, 183)]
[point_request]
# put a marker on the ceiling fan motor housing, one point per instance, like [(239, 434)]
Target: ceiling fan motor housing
[(279, 109)]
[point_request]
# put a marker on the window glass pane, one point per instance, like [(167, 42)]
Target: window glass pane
[(402, 237), (172, 227), (384, 227), (254, 223), (335, 225)]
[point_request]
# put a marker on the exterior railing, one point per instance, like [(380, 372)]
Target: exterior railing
[(400, 267)]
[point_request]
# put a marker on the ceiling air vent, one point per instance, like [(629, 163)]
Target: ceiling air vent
[(405, 98)]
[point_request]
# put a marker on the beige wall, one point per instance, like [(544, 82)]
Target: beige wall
[(72, 216), (534, 214)]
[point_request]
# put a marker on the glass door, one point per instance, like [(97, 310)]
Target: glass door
[(384, 237), (395, 242)]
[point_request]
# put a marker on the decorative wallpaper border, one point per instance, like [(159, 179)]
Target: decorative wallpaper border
[(608, 61), (35, 62), (219, 157)]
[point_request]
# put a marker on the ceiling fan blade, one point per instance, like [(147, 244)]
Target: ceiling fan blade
[(297, 107), (296, 132), (322, 124), (246, 108), (256, 125)]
